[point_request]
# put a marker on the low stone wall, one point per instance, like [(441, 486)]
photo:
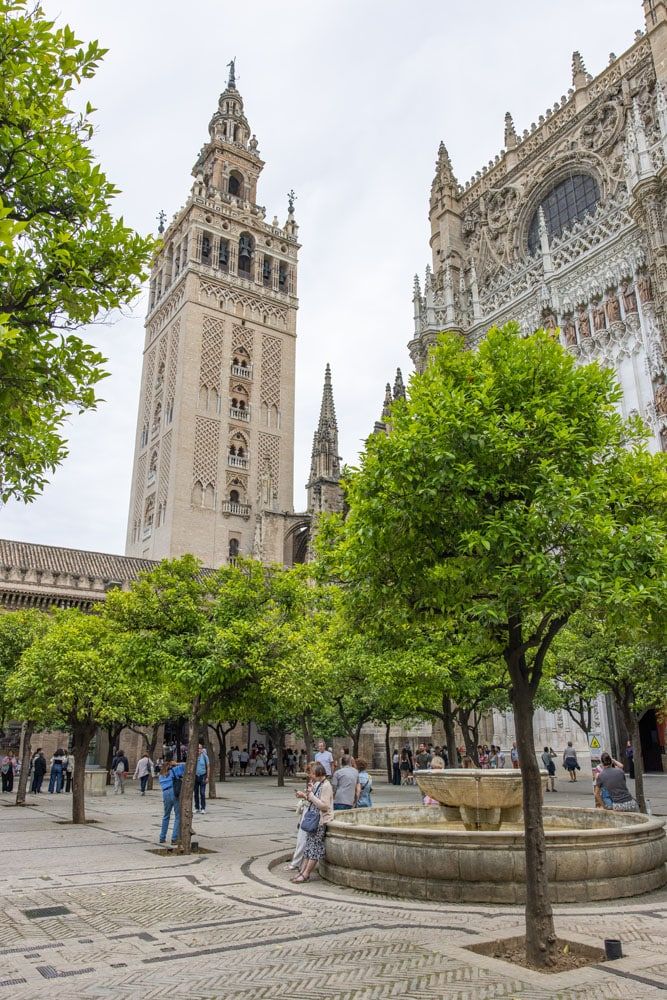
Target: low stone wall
[(415, 852)]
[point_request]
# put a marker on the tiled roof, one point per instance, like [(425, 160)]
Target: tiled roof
[(78, 562)]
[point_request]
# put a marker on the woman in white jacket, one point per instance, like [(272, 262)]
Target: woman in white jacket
[(143, 771), (301, 835)]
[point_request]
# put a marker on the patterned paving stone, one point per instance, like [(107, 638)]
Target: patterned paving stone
[(230, 924)]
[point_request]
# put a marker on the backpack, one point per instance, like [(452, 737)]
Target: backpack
[(176, 783)]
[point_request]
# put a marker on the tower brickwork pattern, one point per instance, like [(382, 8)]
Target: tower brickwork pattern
[(215, 432)]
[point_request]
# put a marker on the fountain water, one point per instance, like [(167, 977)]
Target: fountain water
[(471, 848)]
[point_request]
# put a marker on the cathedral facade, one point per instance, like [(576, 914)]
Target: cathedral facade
[(566, 228), (214, 448)]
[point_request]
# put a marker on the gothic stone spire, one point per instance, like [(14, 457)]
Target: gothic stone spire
[(388, 400), (511, 138), (323, 487)]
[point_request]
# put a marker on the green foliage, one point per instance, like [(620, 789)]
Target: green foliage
[(508, 491), (18, 631), (70, 675), (64, 259), (628, 659), (275, 621), (165, 621)]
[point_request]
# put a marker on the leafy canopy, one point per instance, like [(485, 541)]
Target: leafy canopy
[(18, 631), (71, 675), (508, 490), (64, 259)]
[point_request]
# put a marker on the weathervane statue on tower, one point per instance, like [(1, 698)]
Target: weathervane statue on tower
[(231, 82)]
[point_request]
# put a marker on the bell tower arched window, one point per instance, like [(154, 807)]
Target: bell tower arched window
[(223, 255), (206, 243), (235, 184), (233, 549), (267, 268), (246, 253)]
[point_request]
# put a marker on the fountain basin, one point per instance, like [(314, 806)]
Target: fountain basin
[(482, 799), (417, 852)]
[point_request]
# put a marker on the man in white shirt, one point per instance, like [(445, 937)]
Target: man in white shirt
[(325, 758)]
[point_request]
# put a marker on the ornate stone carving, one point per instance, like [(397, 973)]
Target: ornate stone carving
[(661, 399), (569, 331), (629, 297), (602, 127), (644, 287), (599, 319), (613, 307), (584, 322)]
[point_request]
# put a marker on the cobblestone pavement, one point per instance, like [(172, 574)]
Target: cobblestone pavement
[(91, 913)]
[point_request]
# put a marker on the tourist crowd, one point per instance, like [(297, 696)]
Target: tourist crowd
[(404, 762)]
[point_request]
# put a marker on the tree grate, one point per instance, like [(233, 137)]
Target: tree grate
[(46, 911), (50, 972)]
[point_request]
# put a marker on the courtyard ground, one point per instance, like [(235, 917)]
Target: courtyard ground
[(89, 912)]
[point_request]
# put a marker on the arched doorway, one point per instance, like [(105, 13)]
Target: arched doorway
[(649, 735)]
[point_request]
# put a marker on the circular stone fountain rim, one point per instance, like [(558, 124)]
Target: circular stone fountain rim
[(649, 823), (491, 772)]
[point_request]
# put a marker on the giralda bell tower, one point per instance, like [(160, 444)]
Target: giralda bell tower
[(215, 430)]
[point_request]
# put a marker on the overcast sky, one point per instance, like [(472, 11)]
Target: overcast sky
[(349, 101)]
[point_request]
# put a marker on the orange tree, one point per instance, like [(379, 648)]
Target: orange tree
[(66, 260), (167, 620), (70, 677), (508, 491), (18, 631)]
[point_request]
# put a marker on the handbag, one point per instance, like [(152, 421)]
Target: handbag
[(311, 818)]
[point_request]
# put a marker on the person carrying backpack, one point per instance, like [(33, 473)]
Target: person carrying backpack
[(171, 779), (120, 767), (365, 786)]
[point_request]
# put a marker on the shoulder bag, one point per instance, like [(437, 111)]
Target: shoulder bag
[(311, 818)]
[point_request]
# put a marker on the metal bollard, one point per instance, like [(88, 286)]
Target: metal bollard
[(612, 949)]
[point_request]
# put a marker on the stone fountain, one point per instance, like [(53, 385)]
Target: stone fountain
[(482, 800), (471, 847)]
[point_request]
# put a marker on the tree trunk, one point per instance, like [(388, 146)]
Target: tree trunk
[(307, 735), (82, 734), (356, 736), (113, 735), (632, 726), (187, 788), (281, 757), (151, 746), (387, 752), (450, 733), (222, 739), (469, 734), (26, 736), (540, 933), (211, 790)]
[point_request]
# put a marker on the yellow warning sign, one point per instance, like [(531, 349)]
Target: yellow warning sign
[(595, 743)]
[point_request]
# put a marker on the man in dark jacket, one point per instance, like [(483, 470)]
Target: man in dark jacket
[(38, 766), (120, 766)]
